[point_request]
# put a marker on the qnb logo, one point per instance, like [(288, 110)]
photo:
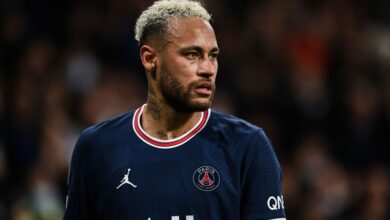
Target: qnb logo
[(275, 202), (188, 217)]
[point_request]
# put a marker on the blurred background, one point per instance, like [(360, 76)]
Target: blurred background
[(314, 74)]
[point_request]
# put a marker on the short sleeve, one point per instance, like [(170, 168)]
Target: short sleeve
[(261, 178), (79, 201)]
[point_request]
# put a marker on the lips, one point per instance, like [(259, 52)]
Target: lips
[(204, 89)]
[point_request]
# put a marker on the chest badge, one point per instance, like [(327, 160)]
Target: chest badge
[(125, 180), (206, 178)]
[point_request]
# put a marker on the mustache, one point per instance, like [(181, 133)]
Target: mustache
[(197, 83)]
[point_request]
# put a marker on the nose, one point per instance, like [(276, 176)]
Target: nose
[(207, 67)]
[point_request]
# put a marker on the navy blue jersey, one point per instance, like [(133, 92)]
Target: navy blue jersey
[(222, 169)]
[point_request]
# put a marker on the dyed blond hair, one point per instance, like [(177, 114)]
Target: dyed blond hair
[(153, 22)]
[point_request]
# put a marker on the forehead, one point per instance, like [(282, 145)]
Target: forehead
[(184, 32)]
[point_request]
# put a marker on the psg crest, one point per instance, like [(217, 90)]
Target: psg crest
[(206, 178)]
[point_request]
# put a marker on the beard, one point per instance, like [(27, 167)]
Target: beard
[(180, 97)]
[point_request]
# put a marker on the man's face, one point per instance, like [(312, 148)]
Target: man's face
[(187, 65)]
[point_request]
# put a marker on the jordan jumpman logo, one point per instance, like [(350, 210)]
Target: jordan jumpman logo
[(125, 180)]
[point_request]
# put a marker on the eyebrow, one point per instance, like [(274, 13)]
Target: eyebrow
[(198, 48)]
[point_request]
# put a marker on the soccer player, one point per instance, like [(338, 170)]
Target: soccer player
[(174, 158)]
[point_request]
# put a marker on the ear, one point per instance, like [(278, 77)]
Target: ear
[(148, 57)]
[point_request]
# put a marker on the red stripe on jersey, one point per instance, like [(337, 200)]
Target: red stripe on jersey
[(167, 144)]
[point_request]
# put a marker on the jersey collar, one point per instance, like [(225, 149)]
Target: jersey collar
[(167, 144)]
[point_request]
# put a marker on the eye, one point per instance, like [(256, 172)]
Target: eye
[(214, 56), (192, 55)]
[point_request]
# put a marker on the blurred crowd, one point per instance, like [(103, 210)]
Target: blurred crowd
[(315, 74)]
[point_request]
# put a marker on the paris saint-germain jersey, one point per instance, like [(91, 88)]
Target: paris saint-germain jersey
[(224, 168)]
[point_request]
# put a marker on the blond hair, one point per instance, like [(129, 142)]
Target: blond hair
[(154, 20)]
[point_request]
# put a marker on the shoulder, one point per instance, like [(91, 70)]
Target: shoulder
[(102, 132), (249, 138), (96, 140), (108, 126), (233, 125)]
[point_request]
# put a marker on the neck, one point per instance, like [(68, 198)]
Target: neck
[(162, 121)]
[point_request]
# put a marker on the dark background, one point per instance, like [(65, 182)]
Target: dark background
[(314, 74)]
